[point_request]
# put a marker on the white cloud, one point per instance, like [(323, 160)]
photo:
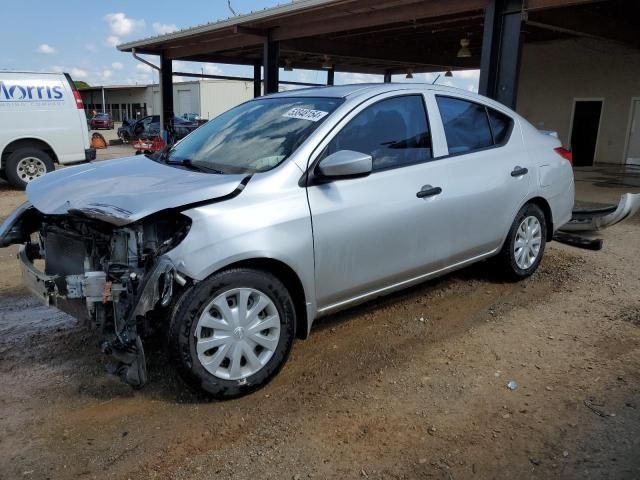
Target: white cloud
[(212, 69), (106, 74), (78, 73), (46, 49), (163, 28), (117, 65), (112, 41), (142, 68), (121, 25), (346, 78)]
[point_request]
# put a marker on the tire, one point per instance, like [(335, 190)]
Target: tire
[(25, 164), (518, 263), (209, 351)]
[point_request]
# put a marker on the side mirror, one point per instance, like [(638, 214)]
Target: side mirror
[(345, 164)]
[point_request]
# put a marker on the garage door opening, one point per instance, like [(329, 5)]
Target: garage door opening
[(584, 131)]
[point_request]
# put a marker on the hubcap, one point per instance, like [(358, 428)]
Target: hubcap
[(237, 333), (30, 168), (528, 241)]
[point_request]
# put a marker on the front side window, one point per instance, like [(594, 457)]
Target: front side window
[(394, 132), (253, 137)]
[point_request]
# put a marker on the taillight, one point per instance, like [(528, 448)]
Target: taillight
[(79, 104), (564, 153)]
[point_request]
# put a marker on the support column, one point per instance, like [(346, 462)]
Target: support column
[(257, 79), (331, 74), (501, 47), (166, 96), (387, 76), (270, 63)]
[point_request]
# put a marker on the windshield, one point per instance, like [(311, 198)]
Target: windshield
[(253, 137)]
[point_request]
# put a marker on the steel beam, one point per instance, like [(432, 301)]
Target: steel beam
[(166, 96), (331, 75), (257, 79), (387, 76), (501, 47), (270, 62)]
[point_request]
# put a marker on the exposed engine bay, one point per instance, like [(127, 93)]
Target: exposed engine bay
[(115, 277)]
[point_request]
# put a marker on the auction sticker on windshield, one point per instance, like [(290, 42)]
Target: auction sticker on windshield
[(306, 114)]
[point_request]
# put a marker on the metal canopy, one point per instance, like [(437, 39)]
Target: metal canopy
[(390, 37), (384, 36)]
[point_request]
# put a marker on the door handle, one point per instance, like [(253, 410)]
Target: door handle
[(428, 191), (519, 171)]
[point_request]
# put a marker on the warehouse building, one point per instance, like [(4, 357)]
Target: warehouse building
[(206, 97), (571, 66)]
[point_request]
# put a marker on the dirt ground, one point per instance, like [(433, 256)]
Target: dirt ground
[(412, 386)]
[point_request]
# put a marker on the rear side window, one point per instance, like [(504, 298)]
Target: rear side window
[(470, 126), (466, 125), (395, 132), (500, 126)]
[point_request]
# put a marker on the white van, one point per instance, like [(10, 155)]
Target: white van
[(42, 122)]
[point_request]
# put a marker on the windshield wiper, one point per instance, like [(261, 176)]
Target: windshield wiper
[(198, 167)]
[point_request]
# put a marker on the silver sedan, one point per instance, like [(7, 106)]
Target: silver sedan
[(284, 209)]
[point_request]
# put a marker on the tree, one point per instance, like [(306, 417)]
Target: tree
[(81, 84)]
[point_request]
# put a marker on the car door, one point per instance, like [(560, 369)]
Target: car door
[(375, 232), (485, 174)]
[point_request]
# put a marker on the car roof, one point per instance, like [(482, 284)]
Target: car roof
[(372, 89), (344, 91)]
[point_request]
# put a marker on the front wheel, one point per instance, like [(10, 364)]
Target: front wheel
[(524, 247), (232, 332), (26, 164)]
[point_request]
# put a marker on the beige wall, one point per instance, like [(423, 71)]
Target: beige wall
[(217, 96), (553, 74)]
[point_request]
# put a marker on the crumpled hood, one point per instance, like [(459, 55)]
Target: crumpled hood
[(125, 190)]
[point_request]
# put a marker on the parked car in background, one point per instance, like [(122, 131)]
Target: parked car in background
[(101, 120), (191, 117), (148, 127), (194, 118), (284, 209), (42, 122)]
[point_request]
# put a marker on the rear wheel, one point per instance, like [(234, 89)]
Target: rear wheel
[(231, 333), (525, 243), (26, 164)]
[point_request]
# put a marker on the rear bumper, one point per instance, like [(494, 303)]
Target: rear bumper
[(89, 155)]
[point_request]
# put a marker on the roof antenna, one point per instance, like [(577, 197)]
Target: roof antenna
[(437, 78), (231, 8)]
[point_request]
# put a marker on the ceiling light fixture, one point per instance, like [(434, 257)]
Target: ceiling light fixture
[(448, 73), (326, 63), (464, 51), (409, 73)]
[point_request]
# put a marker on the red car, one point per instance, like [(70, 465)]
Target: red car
[(101, 120)]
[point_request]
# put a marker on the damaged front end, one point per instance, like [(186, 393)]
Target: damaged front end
[(116, 276)]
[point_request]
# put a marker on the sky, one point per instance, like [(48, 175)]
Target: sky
[(80, 38)]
